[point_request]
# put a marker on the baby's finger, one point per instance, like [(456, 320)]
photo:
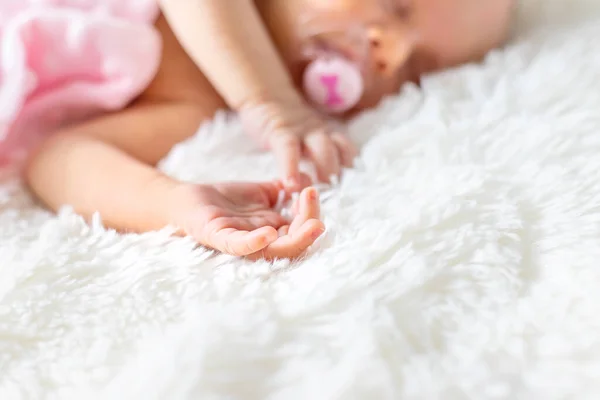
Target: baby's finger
[(287, 149), (324, 154), (249, 221), (241, 243), (272, 218), (308, 207), (346, 149), (292, 245)]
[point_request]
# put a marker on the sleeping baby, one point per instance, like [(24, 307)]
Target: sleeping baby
[(288, 68)]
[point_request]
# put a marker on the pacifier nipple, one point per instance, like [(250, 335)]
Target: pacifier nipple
[(333, 84)]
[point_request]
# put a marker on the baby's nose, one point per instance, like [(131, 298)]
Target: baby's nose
[(391, 46)]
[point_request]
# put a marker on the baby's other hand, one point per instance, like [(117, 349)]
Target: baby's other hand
[(293, 130)]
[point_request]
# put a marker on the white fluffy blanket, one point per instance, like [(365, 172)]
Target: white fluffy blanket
[(461, 261)]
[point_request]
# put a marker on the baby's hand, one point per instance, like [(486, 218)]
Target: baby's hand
[(240, 218), (294, 130)]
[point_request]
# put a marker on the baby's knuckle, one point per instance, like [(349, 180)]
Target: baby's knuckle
[(249, 248), (228, 248)]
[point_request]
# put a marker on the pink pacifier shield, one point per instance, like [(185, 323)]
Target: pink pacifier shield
[(334, 84)]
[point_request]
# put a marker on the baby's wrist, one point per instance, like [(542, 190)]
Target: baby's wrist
[(266, 113), (182, 198), (169, 199)]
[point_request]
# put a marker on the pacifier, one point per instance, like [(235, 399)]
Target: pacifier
[(333, 83)]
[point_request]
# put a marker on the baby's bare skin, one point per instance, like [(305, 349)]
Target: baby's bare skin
[(119, 152), (108, 165)]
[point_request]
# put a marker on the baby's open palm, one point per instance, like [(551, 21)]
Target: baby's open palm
[(239, 219)]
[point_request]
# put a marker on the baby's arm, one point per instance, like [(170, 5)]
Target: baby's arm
[(105, 166), (102, 166), (230, 44), (232, 47)]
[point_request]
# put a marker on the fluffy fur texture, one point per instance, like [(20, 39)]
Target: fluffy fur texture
[(461, 259)]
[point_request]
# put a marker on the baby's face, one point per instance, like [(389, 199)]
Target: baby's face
[(398, 40)]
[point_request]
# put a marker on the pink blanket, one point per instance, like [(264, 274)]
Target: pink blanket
[(65, 60)]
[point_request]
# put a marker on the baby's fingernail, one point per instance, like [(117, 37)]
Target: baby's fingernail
[(312, 194), (317, 233)]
